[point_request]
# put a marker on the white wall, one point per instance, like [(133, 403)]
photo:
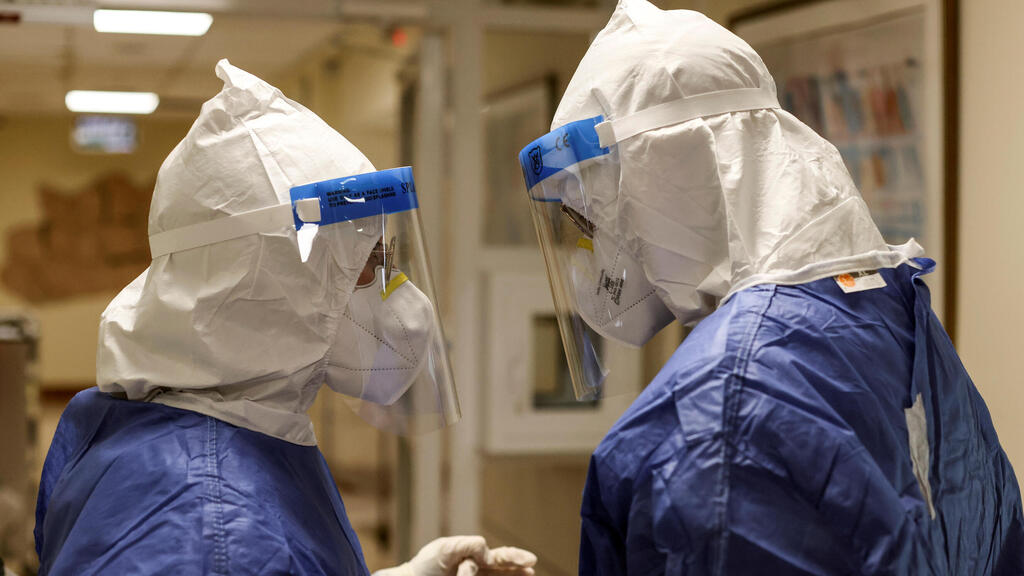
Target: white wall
[(991, 261)]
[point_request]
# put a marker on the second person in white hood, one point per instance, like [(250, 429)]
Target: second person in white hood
[(817, 420)]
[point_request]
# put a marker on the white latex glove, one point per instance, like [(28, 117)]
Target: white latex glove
[(465, 556)]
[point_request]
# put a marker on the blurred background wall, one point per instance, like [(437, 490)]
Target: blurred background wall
[(35, 151), (369, 70), (991, 176)]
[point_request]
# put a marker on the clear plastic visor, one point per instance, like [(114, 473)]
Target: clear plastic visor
[(587, 292), (389, 358)]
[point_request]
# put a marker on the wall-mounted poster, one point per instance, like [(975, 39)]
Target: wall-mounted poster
[(89, 240), (868, 76)]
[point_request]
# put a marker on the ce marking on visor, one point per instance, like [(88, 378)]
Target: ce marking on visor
[(563, 142)]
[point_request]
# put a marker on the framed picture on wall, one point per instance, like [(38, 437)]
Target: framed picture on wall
[(870, 76), (512, 119), (530, 405)]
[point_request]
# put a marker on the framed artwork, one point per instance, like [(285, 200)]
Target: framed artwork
[(530, 405), (870, 76), (512, 119)]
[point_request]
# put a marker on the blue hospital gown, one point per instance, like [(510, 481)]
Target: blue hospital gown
[(775, 441), (141, 488)]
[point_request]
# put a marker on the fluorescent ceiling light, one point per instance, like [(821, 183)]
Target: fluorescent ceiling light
[(152, 22), (111, 102)]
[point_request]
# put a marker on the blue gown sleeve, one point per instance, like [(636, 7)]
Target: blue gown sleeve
[(1011, 562), (602, 546), (72, 434)]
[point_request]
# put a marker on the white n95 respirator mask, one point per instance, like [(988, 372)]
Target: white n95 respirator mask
[(382, 341), (613, 296)]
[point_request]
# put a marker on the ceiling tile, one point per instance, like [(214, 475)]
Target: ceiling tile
[(40, 62), (31, 42)]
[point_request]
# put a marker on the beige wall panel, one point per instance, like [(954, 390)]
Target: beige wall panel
[(36, 150), (991, 202)]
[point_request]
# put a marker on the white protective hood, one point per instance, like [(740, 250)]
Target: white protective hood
[(717, 204), (238, 330)]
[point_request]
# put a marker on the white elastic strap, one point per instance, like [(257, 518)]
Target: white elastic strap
[(683, 110), (265, 219)]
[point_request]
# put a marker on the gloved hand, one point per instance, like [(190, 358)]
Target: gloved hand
[(465, 556)]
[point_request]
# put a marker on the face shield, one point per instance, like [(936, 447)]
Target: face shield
[(388, 357), (599, 291), (597, 282)]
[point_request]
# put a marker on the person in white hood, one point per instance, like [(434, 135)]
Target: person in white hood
[(282, 261), (817, 420)]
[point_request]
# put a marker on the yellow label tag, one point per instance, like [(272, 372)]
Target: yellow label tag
[(396, 281), (585, 243)]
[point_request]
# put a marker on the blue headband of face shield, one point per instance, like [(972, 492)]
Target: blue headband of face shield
[(558, 150), (360, 196), (320, 203)]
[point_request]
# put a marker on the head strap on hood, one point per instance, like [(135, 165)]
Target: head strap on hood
[(685, 109)]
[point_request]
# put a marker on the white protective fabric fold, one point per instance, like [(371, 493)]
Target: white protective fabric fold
[(716, 188), (239, 329)]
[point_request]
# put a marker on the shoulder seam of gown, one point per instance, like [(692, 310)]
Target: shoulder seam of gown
[(730, 404)]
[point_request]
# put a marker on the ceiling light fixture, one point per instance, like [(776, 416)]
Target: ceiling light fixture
[(152, 22), (111, 102)]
